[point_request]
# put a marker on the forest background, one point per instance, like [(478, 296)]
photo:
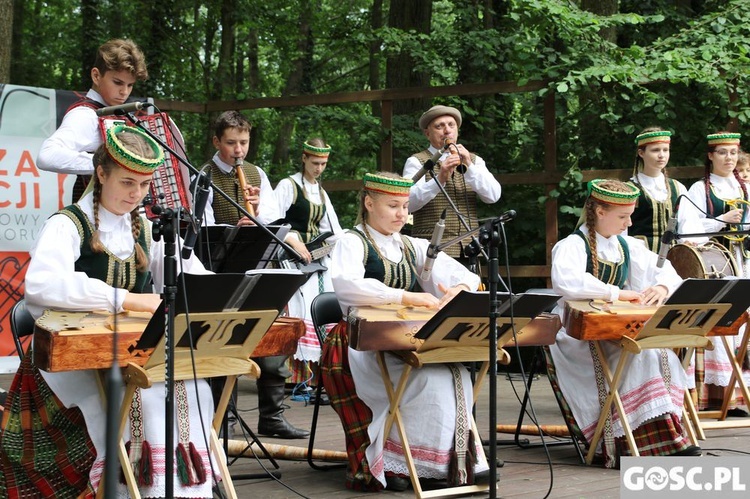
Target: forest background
[(615, 67)]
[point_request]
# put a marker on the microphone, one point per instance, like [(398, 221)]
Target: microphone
[(128, 107), (432, 249), (666, 240), (427, 167), (507, 216), (203, 182), (447, 143)]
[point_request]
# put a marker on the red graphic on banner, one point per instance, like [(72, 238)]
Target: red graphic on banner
[(12, 272)]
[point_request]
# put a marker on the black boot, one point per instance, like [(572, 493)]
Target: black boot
[(272, 422)]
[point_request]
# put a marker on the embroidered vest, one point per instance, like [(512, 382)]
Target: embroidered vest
[(464, 198), (719, 206), (225, 213), (303, 215), (650, 216), (401, 275), (609, 272), (102, 265)]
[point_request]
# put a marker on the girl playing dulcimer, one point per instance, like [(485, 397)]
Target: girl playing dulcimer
[(598, 262), (373, 264), (53, 438), (720, 202)]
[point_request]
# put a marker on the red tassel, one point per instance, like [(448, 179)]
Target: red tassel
[(471, 458), (200, 470), (122, 471), (146, 466), (184, 466)]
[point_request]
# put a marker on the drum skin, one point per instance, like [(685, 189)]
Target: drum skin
[(708, 261)]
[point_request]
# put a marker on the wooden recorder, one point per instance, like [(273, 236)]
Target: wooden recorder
[(69, 341)]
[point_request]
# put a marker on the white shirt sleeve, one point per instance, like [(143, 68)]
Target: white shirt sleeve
[(268, 209), (478, 178), (51, 279), (569, 276), (353, 289), (284, 193), (71, 147), (695, 207), (481, 181), (687, 219)]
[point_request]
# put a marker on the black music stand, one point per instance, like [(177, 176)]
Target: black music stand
[(264, 290), (229, 248), (467, 310), (459, 332)]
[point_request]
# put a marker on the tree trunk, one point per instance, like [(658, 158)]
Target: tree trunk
[(376, 22), (90, 40), (603, 8), (224, 70), (6, 39), (298, 82), (415, 15)]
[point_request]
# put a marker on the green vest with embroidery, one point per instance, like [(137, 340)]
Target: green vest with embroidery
[(225, 213), (719, 206), (102, 265), (609, 272), (427, 216), (401, 275), (303, 215), (650, 216)]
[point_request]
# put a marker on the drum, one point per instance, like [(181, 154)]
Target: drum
[(709, 261)]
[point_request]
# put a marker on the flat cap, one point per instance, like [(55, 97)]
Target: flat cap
[(437, 111)]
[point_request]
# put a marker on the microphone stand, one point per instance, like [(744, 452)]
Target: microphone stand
[(490, 234), (166, 226), (114, 397)]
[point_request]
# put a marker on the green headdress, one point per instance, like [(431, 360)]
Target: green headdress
[(126, 158), (387, 185), (605, 195), (715, 139), (651, 137), (312, 150)]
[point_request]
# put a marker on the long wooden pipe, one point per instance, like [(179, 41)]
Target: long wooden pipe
[(239, 448), (243, 184)]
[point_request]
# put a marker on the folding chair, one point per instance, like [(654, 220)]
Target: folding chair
[(325, 309), (21, 324)]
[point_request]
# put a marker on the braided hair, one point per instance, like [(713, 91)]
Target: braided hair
[(589, 212), (136, 144)]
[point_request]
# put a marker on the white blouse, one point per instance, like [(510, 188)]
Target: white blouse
[(52, 281), (570, 279), (353, 289), (478, 178), (285, 192), (724, 187)]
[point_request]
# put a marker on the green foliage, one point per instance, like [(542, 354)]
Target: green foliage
[(683, 68)]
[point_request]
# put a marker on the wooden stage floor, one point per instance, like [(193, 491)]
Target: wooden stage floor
[(527, 472)]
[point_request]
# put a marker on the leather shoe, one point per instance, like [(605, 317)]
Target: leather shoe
[(690, 450), (737, 413), (324, 400), (396, 483), (483, 477)]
